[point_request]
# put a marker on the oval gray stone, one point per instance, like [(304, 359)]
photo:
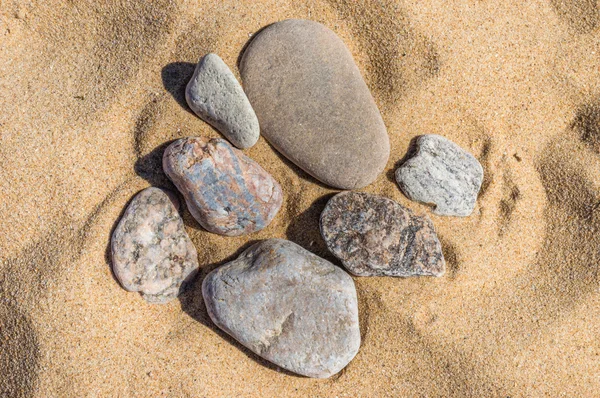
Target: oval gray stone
[(215, 95), (227, 192), (375, 236), (313, 104), (151, 251), (288, 306), (441, 174)]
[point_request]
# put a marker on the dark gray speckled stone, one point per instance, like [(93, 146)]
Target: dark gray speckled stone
[(288, 306), (441, 174), (151, 251), (375, 236), (227, 192)]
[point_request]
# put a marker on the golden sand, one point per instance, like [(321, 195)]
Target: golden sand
[(91, 91)]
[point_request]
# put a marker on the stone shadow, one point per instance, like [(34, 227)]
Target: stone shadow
[(305, 230), (175, 77), (410, 152)]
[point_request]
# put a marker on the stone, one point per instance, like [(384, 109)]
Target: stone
[(226, 192), (151, 252), (313, 104), (375, 236), (441, 174), (288, 306), (215, 95)]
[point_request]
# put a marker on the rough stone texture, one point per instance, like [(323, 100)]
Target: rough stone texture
[(375, 236), (227, 192), (313, 105), (151, 252), (215, 95), (287, 305), (443, 174)]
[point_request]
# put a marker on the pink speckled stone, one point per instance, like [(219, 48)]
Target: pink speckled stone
[(227, 192)]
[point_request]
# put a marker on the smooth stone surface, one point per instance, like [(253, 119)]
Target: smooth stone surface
[(441, 174), (215, 95), (288, 306), (151, 252), (313, 104), (227, 192), (375, 236)]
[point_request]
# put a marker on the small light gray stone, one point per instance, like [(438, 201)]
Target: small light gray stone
[(215, 95), (227, 192), (441, 174), (375, 236), (313, 104), (288, 306), (151, 252)]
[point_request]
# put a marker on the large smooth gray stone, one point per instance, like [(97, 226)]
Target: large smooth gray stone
[(375, 236), (151, 252), (313, 104), (215, 95), (287, 305), (443, 174)]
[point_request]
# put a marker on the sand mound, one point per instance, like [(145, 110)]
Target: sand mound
[(92, 93)]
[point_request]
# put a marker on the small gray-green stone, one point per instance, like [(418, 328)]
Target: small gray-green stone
[(215, 95)]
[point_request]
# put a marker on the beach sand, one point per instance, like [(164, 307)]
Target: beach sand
[(90, 92)]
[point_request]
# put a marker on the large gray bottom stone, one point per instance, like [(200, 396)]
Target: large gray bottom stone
[(288, 306), (151, 251), (441, 174)]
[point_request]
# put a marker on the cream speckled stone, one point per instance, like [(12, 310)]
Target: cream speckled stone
[(151, 251)]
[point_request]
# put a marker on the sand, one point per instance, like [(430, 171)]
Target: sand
[(91, 91)]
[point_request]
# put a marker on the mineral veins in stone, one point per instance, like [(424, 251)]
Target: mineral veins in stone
[(288, 306), (375, 236), (214, 94), (313, 104), (443, 174), (151, 252), (227, 192)]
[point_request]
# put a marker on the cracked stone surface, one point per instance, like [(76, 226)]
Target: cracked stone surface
[(313, 104), (151, 252), (227, 192), (441, 174), (375, 236), (215, 95), (288, 306)]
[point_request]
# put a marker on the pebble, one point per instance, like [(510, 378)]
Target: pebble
[(151, 252), (375, 236), (227, 192), (288, 306), (215, 95), (313, 104), (441, 174)]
